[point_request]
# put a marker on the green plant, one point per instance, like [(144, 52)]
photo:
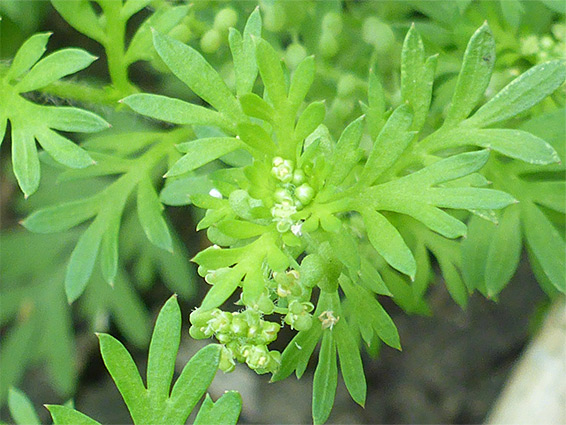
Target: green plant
[(315, 209), (158, 402)]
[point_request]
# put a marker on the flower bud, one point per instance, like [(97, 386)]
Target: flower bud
[(304, 193), (201, 317), (332, 23), (197, 332), (210, 41), (269, 332), (225, 19), (298, 177), (226, 363)]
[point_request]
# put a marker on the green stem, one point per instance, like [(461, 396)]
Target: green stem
[(114, 46)]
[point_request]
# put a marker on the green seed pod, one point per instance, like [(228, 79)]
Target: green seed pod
[(181, 32), (328, 45), (225, 19), (201, 317), (210, 41), (378, 34), (304, 193), (239, 326), (226, 363), (312, 270), (294, 54), (298, 177), (332, 23), (346, 85), (269, 332), (197, 333)]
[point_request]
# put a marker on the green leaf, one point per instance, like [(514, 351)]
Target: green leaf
[(192, 69), (301, 82), (195, 378), (297, 353), (350, 362), (346, 153), (240, 229), (546, 243), (222, 289), (417, 77), (389, 145), (521, 94), (256, 137), (28, 54), (513, 10), (162, 20), (468, 198), (125, 374), (437, 220), (176, 111), (516, 144), (72, 119), (82, 261), (225, 411), (474, 76), (109, 249), (25, 161), (163, 350), (150, 213), (21, 409), (504, 251), (81, 15), (132, 7), (62, 217), (256, 107), (53, 67), (388, 242), (325, 380), (243, 53), (63, 415), (309, 120), (63, 150), (202, 151), (271, 72)]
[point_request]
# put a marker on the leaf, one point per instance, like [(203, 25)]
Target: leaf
[(202, 151), (176, 111), (62, 217), (504, 251), (310, 119), (221, 290), (63, 415), (72, 119), (301, 82), (225, 411), (243, 53), (63, 150), (346, 153), (393, 139), (162, 20), (474, 76), (256, 107), (132, 7), (81, 15), (297, 353), (21, 408), (82, 261), (513, 10), (325, 380), (521, 94), (195, 378), (546, 243), (350, 362), (256, 137), (388, 242), (192, 69), (53, 67), (109, 249), (125, 374), (28, 54), (25, 161), (516, 144), (150, 213), (163, 350), (417, 77), (271, 72), (468, 198)]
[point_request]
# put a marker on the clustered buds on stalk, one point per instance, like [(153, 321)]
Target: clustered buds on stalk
[(244, 335), (292, 193)]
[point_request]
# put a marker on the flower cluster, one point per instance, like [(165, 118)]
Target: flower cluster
[(294, 295), (244, 335), (545, 48), (291, 195)]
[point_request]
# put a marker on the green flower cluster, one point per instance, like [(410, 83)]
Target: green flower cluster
[(244, 335), (291, 195), (293, 295)]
